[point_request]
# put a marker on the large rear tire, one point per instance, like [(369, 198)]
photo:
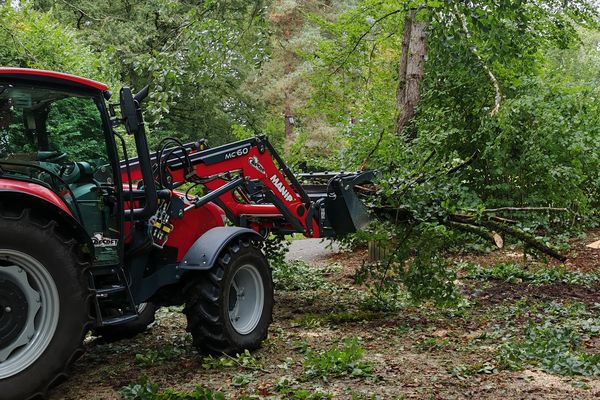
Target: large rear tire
[(44, 305), (229, 307)]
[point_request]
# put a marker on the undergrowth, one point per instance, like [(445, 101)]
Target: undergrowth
[(514, 273), (554, 343), (152, 357), (553, 348), (335, 361), (143, 389), (245, 360), (296, 275)]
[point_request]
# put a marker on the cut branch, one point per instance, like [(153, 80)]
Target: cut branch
[(526, 238), (479, 231), (525, 209)]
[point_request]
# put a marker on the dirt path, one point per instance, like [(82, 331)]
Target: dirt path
[(311, 250)]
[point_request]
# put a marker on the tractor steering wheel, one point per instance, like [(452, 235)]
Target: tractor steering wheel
[(51, 156)]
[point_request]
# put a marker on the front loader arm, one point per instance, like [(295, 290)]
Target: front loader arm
[(251, 183)]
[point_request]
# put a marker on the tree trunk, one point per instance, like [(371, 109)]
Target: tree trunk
[(414, 51)]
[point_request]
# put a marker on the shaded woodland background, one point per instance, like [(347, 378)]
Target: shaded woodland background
[(465, 107), (483, 118)]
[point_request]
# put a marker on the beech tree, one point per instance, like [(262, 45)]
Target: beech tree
[(497, 38)]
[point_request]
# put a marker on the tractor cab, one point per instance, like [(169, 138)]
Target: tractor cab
[(53, 139)]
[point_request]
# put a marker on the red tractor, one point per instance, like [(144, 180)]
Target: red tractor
[(92, 239)]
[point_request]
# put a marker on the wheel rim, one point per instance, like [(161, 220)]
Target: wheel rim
[(246, 299), (141, 307), (30, 309)]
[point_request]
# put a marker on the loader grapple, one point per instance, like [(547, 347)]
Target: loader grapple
[(342, 211)]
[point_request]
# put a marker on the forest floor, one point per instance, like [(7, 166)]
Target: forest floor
[(523, 330)]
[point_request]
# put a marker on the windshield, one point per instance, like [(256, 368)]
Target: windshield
[(36, 121), (54, 138), (49, 136)]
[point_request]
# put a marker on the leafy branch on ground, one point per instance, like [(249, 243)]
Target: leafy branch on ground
[(515, 273), (152, 357), (336, 361), (245, 360), (144, 389)]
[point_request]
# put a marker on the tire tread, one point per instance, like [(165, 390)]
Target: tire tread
[(202, 305), (82, 264)]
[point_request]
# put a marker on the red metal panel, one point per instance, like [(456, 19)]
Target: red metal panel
[(195, 223), (35, 190), (56, 75)]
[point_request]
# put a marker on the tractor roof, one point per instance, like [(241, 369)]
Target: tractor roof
[(53, 77)]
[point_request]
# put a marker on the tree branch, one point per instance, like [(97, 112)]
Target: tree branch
[(364, 163), (525, 209), (495, 84), (80, 11), (479, 231), (357, 43), (526, 238), (18, 42)]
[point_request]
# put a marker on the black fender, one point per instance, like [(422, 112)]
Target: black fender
[(66, 222), (205, 250)]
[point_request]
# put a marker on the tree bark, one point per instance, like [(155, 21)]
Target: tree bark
[(410, 73)]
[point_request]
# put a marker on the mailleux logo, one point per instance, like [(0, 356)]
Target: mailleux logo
[(257, 165), (284, 192), (100, 241)]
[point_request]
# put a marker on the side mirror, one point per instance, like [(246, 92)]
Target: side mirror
[(130, 111), (142, 94)]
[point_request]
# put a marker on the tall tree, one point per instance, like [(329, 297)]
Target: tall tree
[(495, 37), (35, 39), (412, 64), (195, 55), (283, 84)]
